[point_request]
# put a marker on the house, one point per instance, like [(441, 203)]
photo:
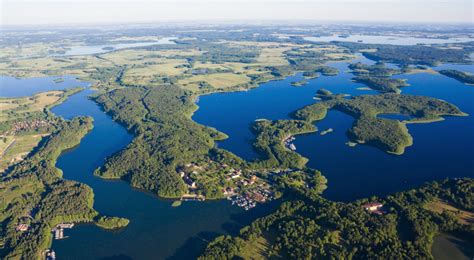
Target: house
[(65, 225), (22, 227), (228, 191), (235, 175), (373, 206), (191, 184), (50, 254), (258, 197), (253, 179)]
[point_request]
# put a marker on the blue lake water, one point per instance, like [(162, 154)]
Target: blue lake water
[(387, 39), (233, 113), (15, 87), (440, 150), (97, 49), (461, 67), (156, 230)]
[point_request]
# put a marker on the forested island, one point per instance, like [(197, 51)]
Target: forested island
[(378, 77), (382, 84), (412, 54), (368, 128), (464, 77)]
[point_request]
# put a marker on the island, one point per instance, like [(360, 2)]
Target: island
[(377, 77), (299, 83), (111, 222), (385, 85), (463, 77), (389, 135)]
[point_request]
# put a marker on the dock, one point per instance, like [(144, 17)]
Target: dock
[(191, 197), (49, 254), (58, 230)]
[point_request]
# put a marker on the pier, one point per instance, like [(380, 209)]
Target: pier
[(191, 197), (58, 230)]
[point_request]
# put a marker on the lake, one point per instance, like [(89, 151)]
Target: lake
[(15, 87), (159, 231), (386, 39), (97, 49), (156, 230), (440, 149), (233, 113)]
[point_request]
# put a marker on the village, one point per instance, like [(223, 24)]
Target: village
[(58, 233), (243, 189), (26, 126), (251, 197)]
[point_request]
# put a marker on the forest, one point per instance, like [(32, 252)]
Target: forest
[(34, 193), (165, 135), (165, 138), (405, 55), (382, 84), (311, 227), (463, 77), (269, 142), (377, 77), (378, 70), (389, 135)]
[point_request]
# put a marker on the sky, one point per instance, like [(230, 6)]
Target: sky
[(61, 12)]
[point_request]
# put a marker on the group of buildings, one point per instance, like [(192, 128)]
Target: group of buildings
[(49, 254), (243, 190), (374, 207), (22, 227), (289, 143), (58, 230), (251, 197), (27, 125)]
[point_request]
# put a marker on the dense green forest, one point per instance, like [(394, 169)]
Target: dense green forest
[(378, 70), (412, 54), (390, 135), (111, 222), (459, 75), (377, 77), (311, 227), (269, 141), (165, 137), (34, 193), (382, 84)]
